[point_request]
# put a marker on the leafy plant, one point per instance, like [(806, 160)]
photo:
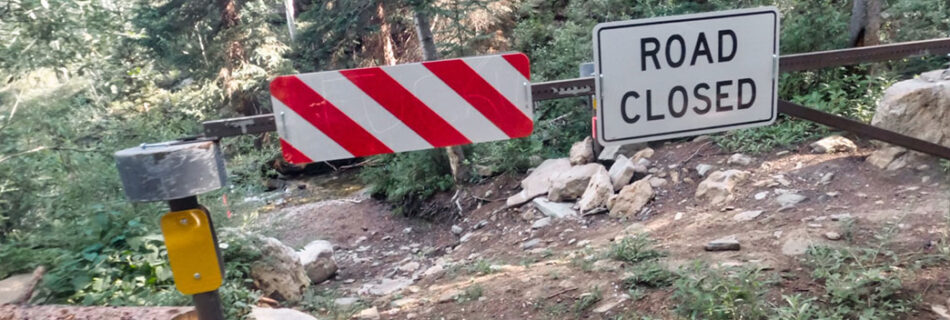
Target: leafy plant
[(633, 249), (471, 293), (724, 293), (649, 274)]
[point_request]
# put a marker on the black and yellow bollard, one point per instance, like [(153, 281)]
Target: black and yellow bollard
[(177, 172)]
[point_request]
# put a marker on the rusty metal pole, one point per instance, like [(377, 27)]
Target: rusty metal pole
[(176, 172)]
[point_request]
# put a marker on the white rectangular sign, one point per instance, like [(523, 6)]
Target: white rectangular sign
[(687, 75)]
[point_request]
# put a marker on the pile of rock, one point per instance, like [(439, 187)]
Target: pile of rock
[(578, 185)]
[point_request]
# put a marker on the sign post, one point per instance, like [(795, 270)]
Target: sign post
[(688, 75)]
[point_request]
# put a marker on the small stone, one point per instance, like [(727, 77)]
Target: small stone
[(814, 225), (582, 152), (833, 144), (833, 236), (407, 230), (678, 216), (541, 223), (826, 178), (761, 195), (530, 244), (657, 182), (925, 179), (729, 243), (345, 301), (456, 230), (583, 243), (368, 314), (833, 194), (840, 217), (703, 168), (480, 224), (782, 153), (409, 267), (740, 160), (747, 215), (788, 200)]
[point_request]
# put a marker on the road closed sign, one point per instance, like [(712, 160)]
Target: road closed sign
[(688, 75)]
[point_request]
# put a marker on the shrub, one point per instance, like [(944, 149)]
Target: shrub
[(633, 249)]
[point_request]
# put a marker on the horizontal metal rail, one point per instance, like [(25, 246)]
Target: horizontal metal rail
[(852, 56), (863, 129), (788, 63)]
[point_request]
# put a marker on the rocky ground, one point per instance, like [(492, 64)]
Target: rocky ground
[(503, 259)]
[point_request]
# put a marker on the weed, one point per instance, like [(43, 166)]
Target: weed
[(798, 308), (724, 293), (585, 263), (324, 302), (587, 300), (634, 249), (471, 293), (649, 274), (480, 267)]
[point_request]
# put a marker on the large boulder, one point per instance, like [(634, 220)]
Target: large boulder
[(317, 260), (278, 273), (919, 108), (571, 184), (718, 187), (598, 190), (631, 199), (539, 181), (582, 152)]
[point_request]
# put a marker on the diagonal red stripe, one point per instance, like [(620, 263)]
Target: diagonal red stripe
[(480, 94), (520, 62), (326, 117), (292, 154), (405, 106)]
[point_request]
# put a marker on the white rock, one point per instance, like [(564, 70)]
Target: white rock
[(277, 314), (678, 216), (886, 158), (831, 235), (657, 182), (599, 189), (644, 154), (747, 215), (345, 301), (368, 314), (788, 200), (718, 188), (557, 210), (826, 178), (541, 223), (317, 260), (409, 267), (740, 160), (14, 287), (703, 168), (572, 183), (917, 108), (621, 172), (631, 199), (539, 181), (456, 230), (833, 144), (278, 273), (385, 286), (761, 195), (582, 152)]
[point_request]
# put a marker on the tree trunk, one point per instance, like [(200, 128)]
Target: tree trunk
[(240, 101), (386, 37), (865, 26), (427, 41), (859, 18), (872, 30)]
